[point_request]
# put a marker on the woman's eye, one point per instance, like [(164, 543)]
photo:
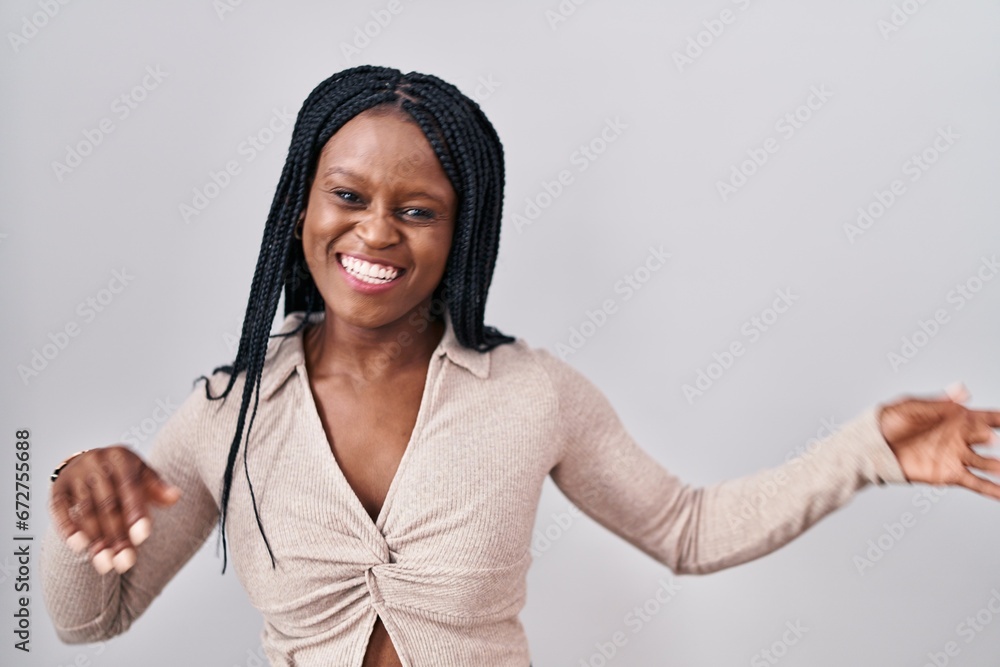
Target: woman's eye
[(347, 196), (419, 213)]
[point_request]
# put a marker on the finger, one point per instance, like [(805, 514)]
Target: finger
[(991, 439), (979, 485), (157, 490), (81, 511), (130, 494), (985, 463), (988, 417), (66, 527), (107, 504), (957, 392), (976, 432)]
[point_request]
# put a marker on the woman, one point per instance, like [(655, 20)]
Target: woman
[(381, 497)]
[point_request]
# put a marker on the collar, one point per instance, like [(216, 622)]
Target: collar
[(285, 354), (477, 363)]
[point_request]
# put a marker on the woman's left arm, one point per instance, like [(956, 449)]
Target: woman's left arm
[(695, 530)]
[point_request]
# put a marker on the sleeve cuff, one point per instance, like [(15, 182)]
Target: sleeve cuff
[(876, 460)]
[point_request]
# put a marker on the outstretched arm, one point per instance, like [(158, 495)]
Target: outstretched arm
[(86, 605), (697, 530)]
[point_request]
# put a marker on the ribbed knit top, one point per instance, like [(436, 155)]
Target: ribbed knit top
[(445, 563)]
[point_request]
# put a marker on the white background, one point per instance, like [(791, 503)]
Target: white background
[(554, 86)]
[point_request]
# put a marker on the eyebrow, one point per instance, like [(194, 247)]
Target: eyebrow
[(340, 170), (330, 171)]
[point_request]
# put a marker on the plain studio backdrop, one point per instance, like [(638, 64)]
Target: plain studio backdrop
[(816, 184)]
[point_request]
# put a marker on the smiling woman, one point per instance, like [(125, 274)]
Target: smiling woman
[(380, 190), (376, 234), (381, 498)]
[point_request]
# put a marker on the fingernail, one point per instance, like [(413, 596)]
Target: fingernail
[(957, 392), (124, 560), (139, 531), (77, 542), (103, 561)]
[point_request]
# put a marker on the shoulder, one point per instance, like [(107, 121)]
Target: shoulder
[(543, 369), (540, 382), (519, 360)]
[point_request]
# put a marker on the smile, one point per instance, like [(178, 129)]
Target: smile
[(366, 272)]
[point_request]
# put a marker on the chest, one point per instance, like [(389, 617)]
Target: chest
[(368, 428), (458, 517)]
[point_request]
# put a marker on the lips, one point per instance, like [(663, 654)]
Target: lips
[(369, 272)]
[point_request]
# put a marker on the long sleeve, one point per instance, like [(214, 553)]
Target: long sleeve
[(698, 530), (86, 606)]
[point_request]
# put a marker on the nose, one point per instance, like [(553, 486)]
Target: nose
[(377, 228)]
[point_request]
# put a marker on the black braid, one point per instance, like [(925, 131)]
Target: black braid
[(471, 155)]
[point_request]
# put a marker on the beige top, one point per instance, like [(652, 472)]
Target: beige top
[(444, 564)]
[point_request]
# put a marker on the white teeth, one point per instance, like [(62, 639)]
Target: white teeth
[(373, 274)]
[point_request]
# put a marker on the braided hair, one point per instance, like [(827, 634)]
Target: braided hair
[(471, 155)]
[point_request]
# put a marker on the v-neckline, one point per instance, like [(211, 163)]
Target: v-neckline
[(310, 406)]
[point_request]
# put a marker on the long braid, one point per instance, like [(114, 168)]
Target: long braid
[(471, 155), (474, 249)]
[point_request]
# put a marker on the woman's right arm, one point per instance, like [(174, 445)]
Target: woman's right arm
[(98, 496)]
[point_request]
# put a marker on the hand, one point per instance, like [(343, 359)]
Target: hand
[(98, 503), (933, 438)]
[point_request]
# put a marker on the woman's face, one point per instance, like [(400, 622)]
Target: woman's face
[(379, 220)]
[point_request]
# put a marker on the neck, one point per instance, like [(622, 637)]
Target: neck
[(334, 346)]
